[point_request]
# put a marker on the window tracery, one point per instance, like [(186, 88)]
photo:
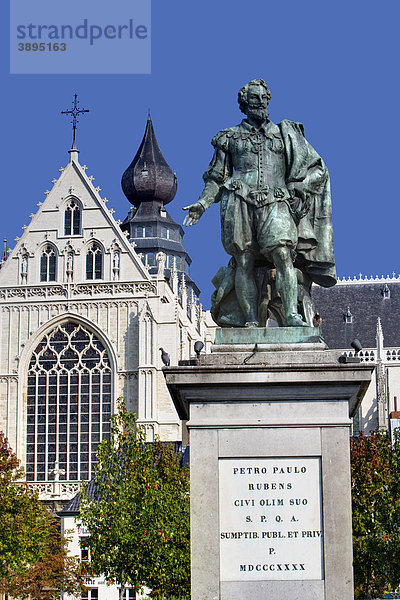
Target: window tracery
[(72, 219), (94, 262), (68, 403), (48, 264)]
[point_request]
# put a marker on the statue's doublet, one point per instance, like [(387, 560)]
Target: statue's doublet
[(252, 169), (251, 162)]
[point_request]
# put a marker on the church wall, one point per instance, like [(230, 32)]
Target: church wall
[(170, 429), (369, 408), (369, 413), (393, 385)]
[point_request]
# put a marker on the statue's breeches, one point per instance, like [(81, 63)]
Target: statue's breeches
[(257, 229)]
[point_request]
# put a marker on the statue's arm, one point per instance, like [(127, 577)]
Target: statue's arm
[(219, 170)]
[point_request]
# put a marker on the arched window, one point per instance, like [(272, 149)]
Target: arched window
[(94, 262), (48, 264), (68, 403), (72, 219)]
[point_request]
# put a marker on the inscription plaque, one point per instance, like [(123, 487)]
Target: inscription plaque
[(270, 519)]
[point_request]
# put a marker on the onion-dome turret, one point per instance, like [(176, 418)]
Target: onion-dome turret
[(149, 177), (149, 184)]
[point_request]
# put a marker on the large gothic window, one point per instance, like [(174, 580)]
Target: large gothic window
[(94, 262), (68, 403), (48, 263), (72, 219)]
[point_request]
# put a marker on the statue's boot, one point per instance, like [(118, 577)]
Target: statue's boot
[(295, 320), (289, 300)]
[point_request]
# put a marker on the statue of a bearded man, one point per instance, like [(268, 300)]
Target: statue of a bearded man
[(276, 222)]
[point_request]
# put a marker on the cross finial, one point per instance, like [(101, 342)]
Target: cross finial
[(75, 112), (57, 471)]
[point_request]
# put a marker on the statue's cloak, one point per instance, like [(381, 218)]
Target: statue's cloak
[(307, 172)]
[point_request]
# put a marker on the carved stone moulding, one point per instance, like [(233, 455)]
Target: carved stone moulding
[(114, 288), (31, 292), (127, 375), (87, 289), (8, 378), (55, 490)]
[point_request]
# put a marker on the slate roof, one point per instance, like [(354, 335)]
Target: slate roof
[(72, 508), (366, 301)]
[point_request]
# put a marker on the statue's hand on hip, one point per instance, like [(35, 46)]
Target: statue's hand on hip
[(194, 214)]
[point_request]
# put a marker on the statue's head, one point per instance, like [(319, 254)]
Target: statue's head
[(253, 99)]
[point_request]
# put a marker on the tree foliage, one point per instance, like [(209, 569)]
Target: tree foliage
[(375, 468), (138, 514), (24, 521), (56, 571), (33, 556)]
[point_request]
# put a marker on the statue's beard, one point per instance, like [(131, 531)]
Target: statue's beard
[(260, 115)]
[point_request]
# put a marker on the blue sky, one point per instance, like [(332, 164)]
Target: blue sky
[(331, 65)]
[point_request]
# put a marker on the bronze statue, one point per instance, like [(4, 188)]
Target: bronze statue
[(276, 220)]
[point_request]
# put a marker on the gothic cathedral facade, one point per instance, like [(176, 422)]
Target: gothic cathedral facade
[(83, 315)]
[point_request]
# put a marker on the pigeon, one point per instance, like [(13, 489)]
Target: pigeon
[(165, 357), (317, 320)]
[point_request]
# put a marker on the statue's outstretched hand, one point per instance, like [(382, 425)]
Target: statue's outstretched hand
[(194, 214)]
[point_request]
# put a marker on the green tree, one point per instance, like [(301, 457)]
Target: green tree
[(55, 572), (375, 469), (137, 512), (24, 520), (33, 556)]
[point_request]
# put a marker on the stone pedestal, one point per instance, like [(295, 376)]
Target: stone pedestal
[(270, 471)]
